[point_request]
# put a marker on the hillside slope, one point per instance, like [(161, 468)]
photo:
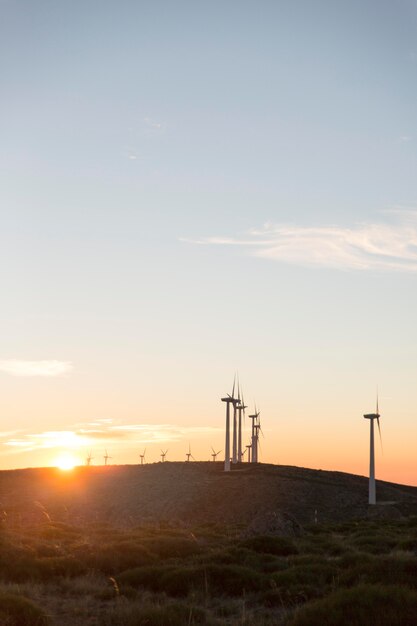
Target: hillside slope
[(193, 493)]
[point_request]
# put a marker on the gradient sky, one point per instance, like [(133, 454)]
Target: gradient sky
[(189, 189)]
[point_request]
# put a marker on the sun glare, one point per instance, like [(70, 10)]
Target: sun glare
[(66, 462)]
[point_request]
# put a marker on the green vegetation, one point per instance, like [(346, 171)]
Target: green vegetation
[(18, 611), (354, 573)]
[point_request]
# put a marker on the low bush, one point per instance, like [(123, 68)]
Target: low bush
[(302, 582), (374, 543), (167, 547), (173, 614), (115, 557), (266, 544), (229, 580), (19, 611), (361, 606), (51, 567), (385, 570)]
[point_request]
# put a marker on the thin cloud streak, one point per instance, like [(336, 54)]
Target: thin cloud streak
[(118, 435), (365, 246), (16, 367)]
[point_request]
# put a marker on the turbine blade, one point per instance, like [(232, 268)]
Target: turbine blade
[(233, 390), (380, 436)]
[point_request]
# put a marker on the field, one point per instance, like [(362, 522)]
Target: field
[(267, 570)]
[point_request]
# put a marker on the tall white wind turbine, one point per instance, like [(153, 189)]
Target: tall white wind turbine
[(254, 439), (236, 402), (142, 457), (228, 399), (241, 409), (372, 417)]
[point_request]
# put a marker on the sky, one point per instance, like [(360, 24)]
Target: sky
[(193, 189)]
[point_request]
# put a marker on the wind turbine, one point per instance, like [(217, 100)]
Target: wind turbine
[(214, 455), (106, 457), (163, 455), (88, 459), (241, 408), (142, 457), (254, 439), (249, 448), (236, 403), (228, 399), (189, 455), (372, 417)]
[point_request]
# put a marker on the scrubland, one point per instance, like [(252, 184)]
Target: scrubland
[(354, 573)]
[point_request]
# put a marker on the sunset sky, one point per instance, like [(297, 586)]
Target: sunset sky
[(190, 189)]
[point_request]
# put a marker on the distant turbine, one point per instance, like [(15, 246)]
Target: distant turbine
[(214, 455), (88, 459), (142, 457), (163, 455), (248, 448), (189, 455), (228, 399), (371, 417), (106, 457)]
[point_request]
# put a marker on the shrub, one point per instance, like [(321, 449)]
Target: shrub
[(408, 544), (320, 544), (18, 611), (302, 582), (231, 580), (385, 570), (115, 557), (361, 606), (374, 543), (266, 544), (173, 614), (52, 567), (171, 547)]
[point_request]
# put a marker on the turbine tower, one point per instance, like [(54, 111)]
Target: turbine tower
[(163, 455), (372, 417), (214, 454), (228, 399), (241, 408), (142, 457), (236, 403), (106, 457), (254, 439)]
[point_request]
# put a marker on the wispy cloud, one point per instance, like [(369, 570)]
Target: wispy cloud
[(364, 246), (94, 433), (153, 125), (16, 367)]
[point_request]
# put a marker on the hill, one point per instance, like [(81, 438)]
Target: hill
[(195, 493)]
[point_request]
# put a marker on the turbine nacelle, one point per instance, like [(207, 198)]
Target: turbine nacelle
[(372, 416)]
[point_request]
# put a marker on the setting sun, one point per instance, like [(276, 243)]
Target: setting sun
[(66, 462)]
